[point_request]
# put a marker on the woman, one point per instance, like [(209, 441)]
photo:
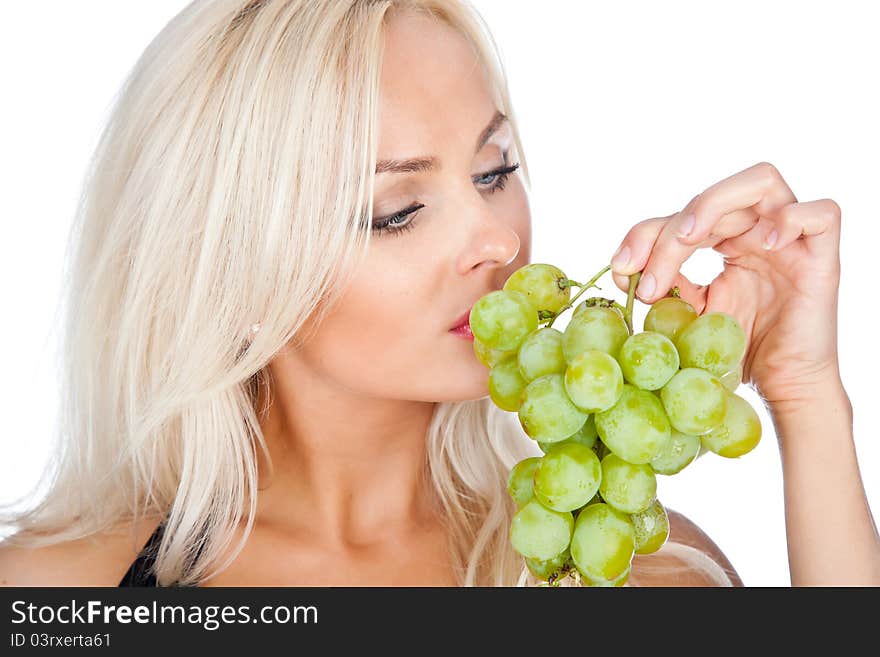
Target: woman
[(292, 205)]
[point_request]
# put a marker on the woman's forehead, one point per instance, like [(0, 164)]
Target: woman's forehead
[(433, 89)]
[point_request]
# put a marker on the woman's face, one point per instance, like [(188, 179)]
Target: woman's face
[(389, 337)]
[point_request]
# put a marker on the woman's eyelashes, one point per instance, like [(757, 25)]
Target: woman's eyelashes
[(491, 182), (500, 177), (391, 225)]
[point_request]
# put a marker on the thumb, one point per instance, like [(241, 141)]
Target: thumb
[(689, 291)]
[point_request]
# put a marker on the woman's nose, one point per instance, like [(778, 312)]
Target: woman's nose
[(492, 242)]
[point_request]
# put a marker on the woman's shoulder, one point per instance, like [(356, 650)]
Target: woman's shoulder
[(97, 560), (690, 558)]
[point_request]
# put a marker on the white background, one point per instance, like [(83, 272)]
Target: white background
[(627, 110)]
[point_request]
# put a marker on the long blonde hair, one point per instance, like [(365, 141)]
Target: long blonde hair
[(243, 140)]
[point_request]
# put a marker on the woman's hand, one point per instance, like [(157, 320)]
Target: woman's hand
[(785, 297), (780, 278)]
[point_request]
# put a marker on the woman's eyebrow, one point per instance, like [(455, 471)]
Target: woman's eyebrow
[(420, 164), (490, 129)]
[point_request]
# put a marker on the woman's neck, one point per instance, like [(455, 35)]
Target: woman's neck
[(347, 467)]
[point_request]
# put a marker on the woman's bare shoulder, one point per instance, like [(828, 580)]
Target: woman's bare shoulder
[(654, 569), (98, 560)]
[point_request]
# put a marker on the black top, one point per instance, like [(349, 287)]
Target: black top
[(140, 572)]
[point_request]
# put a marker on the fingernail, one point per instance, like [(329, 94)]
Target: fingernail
[(771, 238), (621, 258), (687, 225), (647, 285)]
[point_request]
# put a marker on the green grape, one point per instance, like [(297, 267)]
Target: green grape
[(636, 427), (593, 381), (567, 477), (648, 360), (585, 436), (544, 285), (547, 414), (583, 305), (541, 353), (537, 532), (506, 386), (651, 528), (520, 482), (502, 319), (678, 452), (714, 342), (545, 569), (603, 543), (620, 580), (695, 401), (733, 378), (739, 432), (609, 410), (669, 316), (594, 328), (625, 486), (491, 357)]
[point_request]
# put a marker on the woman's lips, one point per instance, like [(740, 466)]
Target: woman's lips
[(463, 319), (462, 327), (463, 332)]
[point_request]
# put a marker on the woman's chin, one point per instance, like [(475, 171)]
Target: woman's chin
[(469, 384)]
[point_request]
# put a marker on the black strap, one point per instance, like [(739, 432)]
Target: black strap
[(141, 571)]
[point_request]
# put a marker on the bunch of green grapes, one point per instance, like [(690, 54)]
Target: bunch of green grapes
[(610, 409)]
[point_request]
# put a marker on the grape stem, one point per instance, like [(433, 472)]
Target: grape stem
[(586, 286), (630, 297), (602, 302)]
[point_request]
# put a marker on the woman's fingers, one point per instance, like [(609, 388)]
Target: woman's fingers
[(760, 188), (818, 222), (635, 249), (688, 290), (728, 208), (669, 253), (753, 211), (643, 248)]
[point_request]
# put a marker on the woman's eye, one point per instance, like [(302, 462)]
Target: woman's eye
[(491, 181), (500, 177), (395, 223)]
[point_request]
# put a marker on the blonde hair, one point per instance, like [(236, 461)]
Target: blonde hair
[(243, 140)]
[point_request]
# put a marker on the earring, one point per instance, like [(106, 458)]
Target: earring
[(255, 327)]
